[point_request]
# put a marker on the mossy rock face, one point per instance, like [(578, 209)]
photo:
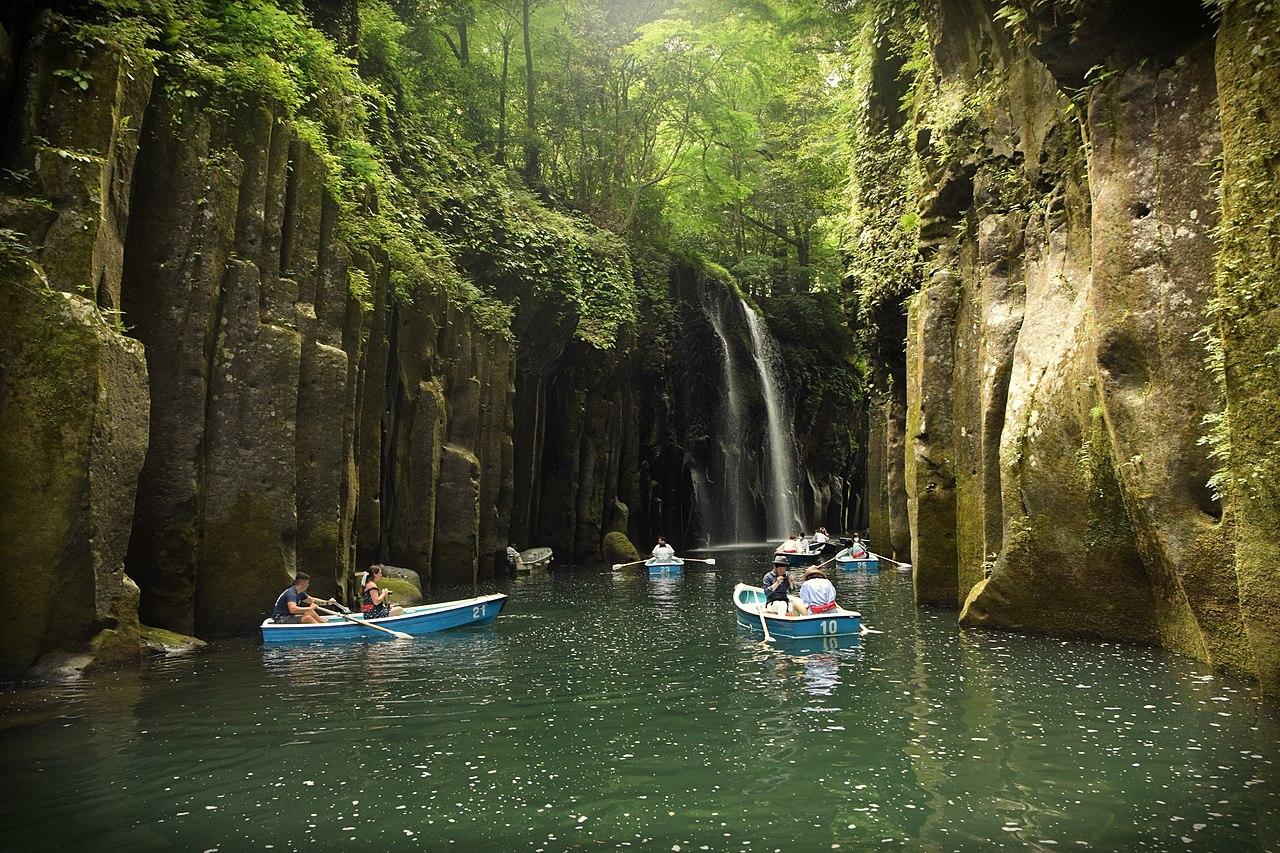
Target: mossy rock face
[(618, 548), (73, 413), (158, 641), (403, 592), (1248, 280)]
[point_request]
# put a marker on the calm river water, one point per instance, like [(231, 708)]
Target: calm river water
[(605, 711)]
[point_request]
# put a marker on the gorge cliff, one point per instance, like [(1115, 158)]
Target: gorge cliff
[(252, 328), (1067, 253)]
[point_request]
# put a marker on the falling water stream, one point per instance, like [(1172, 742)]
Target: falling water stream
[(782, 511), (731, 424)]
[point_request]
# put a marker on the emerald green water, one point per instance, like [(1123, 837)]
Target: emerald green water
[(606, 711)]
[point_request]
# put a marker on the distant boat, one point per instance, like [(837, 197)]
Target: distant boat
[(825, 549), (837, 623), (534, 559), (858, 561), (662, 568), (803, 558), (415, 621)]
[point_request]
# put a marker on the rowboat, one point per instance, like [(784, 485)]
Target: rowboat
[(865, 561), (533, 559), (415, 621), (803, 558), (824, 549), (749, 600), (660, 568)]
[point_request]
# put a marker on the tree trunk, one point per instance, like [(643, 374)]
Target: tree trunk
[(464, 43), (531, 167), (502, 100)]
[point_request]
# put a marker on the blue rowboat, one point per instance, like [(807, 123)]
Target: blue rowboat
[(865, 562), (661, 568), (804, 558), (748, 600), (415, 621)]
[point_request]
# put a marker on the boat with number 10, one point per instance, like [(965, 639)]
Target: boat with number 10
[(748, 600)]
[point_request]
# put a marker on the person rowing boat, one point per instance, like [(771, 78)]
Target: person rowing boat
[(295, 606), (664, 553)]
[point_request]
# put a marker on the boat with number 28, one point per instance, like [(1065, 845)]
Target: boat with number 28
[(414, 621), (749, 601)]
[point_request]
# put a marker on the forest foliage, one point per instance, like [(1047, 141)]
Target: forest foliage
[(539, 139)]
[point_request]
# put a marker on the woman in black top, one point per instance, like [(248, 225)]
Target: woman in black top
[(373, 602)]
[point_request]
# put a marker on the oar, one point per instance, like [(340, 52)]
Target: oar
[(709, 561), (768, 638), (617, 566), (399, 635), (895, 562), (829, 562)]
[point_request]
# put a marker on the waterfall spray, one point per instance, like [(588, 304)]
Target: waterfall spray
[(782, 506)]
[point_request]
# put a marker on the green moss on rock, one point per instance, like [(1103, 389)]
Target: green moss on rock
[(617, 548)]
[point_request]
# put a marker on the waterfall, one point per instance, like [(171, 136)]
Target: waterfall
[(782, 505), (731, 480)]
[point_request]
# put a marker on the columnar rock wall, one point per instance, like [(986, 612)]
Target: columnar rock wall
[(213, 377), (1065, 336)]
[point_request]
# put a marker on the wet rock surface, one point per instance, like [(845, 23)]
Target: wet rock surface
[(1059, 362)]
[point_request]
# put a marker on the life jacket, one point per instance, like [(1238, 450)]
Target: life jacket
[(366, 601), (823, 608)]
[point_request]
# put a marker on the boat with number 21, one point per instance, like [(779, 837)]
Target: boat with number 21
[(415, 621)]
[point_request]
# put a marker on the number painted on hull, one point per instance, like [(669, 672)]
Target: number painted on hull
[(477, 612), (831, 627)]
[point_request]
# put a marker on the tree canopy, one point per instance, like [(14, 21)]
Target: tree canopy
[(705, 126)]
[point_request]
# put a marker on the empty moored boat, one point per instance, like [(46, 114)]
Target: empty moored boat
[(533, 559), (414, 621), (749, 600)]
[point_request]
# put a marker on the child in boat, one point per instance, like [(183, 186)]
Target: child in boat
[(777, 587), (817, 593), (295, 606), (373, 602)]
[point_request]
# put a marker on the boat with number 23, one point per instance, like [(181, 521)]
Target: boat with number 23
[(414, 621)]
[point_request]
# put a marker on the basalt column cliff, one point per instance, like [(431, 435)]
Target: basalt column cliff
[(1068, 212), (255, 319)]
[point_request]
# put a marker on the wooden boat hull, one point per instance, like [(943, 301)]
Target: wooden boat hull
[(415, 621), (663, 569), (748, 599)]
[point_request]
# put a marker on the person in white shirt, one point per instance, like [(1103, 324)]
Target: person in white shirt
[(817, 593), (791, 546), (820, 537), (664, 553)]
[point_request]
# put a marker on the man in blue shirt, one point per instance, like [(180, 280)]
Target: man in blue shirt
[(777, 587), (294, 605)]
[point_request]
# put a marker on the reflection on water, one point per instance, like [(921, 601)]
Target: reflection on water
[(608, 709)]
